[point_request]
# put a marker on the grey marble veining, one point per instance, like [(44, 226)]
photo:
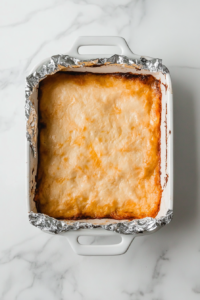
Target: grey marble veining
[(162, 266)]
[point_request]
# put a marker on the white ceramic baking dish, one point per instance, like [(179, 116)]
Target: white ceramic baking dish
[(166, 148)]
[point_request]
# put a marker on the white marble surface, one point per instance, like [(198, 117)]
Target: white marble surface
[(37, 266)]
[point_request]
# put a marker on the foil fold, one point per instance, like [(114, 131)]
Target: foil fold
[(59, 62), (51, 225)]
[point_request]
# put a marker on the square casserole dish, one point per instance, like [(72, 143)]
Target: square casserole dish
[(124, 63)]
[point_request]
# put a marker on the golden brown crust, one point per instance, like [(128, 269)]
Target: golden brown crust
[(99, 146)]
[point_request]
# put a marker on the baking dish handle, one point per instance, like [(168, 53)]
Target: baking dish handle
[(102, 250), (101, 41)]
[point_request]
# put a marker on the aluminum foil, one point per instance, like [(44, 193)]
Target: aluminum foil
[(52, 225), (58, 62)]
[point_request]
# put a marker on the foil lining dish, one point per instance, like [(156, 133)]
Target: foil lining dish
[(60, 62), (52, 225)]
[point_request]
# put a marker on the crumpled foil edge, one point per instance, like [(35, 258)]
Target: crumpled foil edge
[(51, 225), (59, 62)]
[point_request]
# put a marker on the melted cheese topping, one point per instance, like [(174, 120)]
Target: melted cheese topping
[(99, 146)]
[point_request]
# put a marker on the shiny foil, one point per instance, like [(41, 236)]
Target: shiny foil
[(55, 226), (57, 63)]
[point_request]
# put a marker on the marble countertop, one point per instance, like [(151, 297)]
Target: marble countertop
[(162, 266)]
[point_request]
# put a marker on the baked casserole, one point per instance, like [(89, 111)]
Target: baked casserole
[(99, 146)]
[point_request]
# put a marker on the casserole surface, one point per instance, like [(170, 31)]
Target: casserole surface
[(99, 146)]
